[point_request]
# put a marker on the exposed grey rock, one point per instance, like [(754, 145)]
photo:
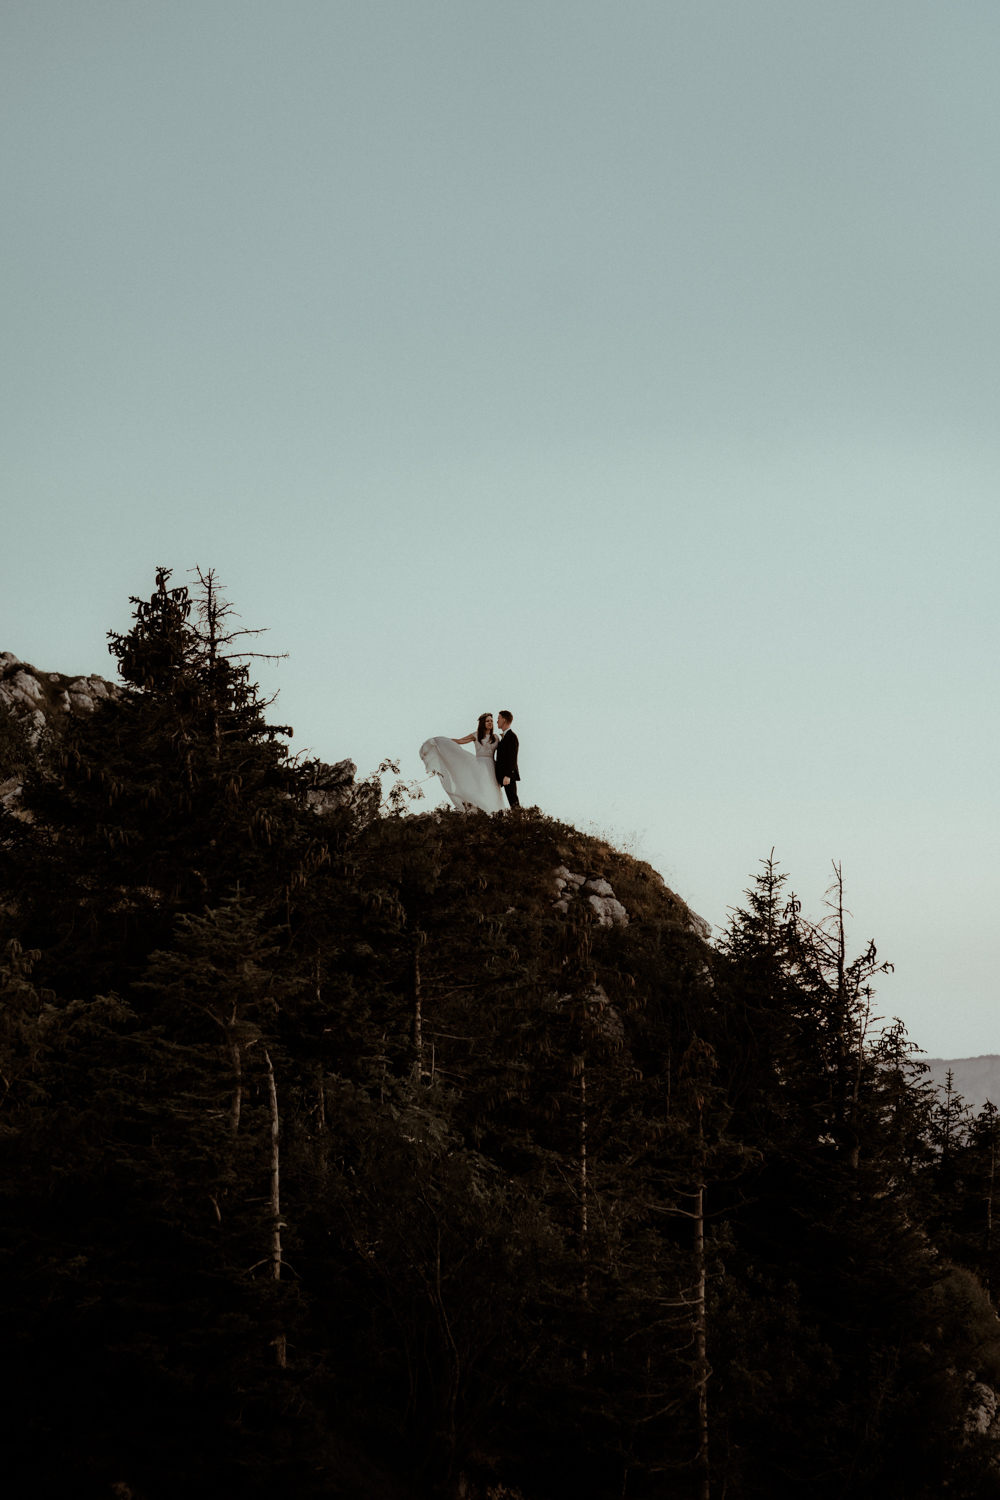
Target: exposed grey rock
[(700, 926), (37, 728), (41, 702), (601, 897), (982, 1408), (332, 787), (10, 799), (609, 911), (82, 693), (10, 791), (27, 691), (24, 688)]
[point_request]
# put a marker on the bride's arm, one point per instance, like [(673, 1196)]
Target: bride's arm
[(467, 741)]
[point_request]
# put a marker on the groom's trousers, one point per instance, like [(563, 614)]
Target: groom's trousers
[(511, 790)]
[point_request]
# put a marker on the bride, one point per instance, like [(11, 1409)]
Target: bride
[(469, 781)]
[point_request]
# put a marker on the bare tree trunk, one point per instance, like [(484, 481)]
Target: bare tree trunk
[(321, 1089), (701, 1332), (582, 1191), (989, 1212), (211, 612), (275, 1204), (321, 1099), (418, 1033), (237, 1061), (855, 1151), (582, 1169), (989, 1199), (841, 953), (451, 1399)]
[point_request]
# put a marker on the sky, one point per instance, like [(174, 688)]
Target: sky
[(632, 367)]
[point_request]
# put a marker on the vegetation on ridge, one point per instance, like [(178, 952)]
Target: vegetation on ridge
[(337, 1161)]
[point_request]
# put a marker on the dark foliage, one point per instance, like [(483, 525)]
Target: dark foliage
[(337, 1161), (16, 753)]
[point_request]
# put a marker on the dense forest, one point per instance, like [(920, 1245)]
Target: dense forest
[(348, 1152)]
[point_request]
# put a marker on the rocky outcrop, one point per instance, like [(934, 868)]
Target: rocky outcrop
[(42, 700), (981, 1407), (640, 885), (595, 891), (35, 704), (332, 786)]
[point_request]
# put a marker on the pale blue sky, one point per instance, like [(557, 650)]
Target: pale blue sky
[(632, 366)]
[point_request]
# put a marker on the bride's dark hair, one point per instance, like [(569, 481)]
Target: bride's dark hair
[(481, 731)]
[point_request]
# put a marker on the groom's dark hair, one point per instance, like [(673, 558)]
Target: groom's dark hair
[(505, 713)]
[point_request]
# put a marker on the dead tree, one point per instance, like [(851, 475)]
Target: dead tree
[(418, 1019), (235, 1057), (700, 1316), (275, 1200)]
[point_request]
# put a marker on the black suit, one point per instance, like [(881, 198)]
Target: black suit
[(506, 765)]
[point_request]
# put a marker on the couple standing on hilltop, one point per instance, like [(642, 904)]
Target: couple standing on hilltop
[(478, 781)]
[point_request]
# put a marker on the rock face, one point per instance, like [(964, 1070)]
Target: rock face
[(332, 787), (42, 700), (39, 703), (10, 794), (573, 889), (595, 890), (982, 1408)]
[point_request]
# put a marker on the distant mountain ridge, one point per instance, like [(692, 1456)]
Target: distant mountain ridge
[(975, 1078)]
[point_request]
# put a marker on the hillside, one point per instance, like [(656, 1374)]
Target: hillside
[(977, 1079), (354, 1149)]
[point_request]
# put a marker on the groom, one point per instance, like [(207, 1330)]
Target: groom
[(506, 757)]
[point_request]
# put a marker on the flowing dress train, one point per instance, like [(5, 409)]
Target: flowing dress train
[(469, 780)]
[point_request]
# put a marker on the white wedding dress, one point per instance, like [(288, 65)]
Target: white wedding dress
[(468, 779)]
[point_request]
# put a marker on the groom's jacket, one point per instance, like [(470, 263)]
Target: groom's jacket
[(506, 758)]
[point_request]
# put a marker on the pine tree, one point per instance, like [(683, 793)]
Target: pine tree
[(160, 802), (336, 1156), (836, 1221)]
